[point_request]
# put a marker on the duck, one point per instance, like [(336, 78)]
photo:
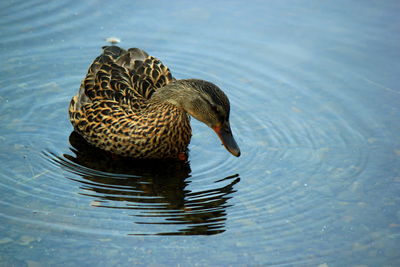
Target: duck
[(129, 104)]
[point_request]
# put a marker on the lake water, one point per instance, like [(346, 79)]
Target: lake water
[(315, 96)]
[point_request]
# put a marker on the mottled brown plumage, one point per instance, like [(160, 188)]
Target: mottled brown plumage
[(129, 104)]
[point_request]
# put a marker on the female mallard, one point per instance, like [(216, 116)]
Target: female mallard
[(129, 104)]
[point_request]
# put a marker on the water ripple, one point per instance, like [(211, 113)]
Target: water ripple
[(291, 138), (305, 141), (35, 21)]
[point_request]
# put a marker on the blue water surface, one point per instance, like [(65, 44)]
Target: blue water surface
[(315, 98)]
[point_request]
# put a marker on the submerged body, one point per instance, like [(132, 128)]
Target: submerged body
[(129, 104)]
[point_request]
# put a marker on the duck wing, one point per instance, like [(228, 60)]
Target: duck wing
[(146, 72), (126, 76)]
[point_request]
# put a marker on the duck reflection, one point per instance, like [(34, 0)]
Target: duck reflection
[(154, 190)]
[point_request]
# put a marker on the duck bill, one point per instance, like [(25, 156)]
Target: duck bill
[(225, 134)]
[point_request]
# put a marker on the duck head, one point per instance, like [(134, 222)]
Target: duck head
[(205, 102)]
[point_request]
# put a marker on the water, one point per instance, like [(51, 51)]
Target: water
[(315, 108)]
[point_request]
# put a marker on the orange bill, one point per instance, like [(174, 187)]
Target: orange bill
[(225, 134)]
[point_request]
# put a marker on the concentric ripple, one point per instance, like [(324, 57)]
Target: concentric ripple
[(314, 104), (300, 145)]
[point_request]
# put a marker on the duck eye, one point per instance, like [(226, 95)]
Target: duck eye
[(219, 112), (215, 108)]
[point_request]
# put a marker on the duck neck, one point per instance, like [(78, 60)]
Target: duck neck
[(177, 93)]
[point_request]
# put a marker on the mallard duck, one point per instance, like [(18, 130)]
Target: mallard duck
[(129, 104)]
